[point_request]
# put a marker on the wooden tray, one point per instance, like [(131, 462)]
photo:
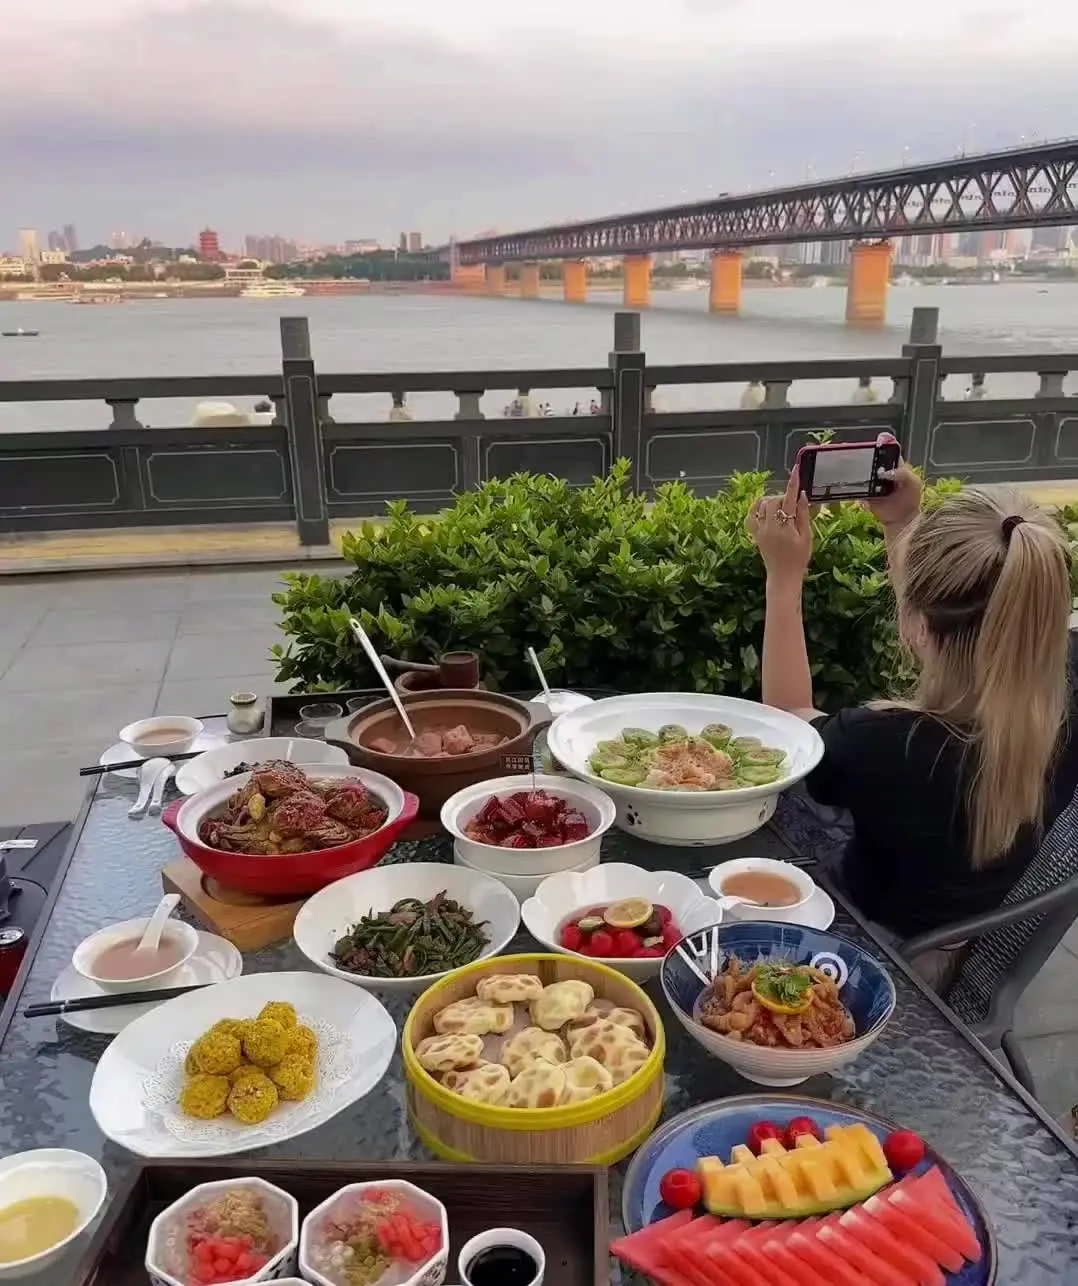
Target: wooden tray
[(565, 1208)]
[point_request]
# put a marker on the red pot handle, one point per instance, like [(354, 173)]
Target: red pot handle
[(171, 814), (409, 812)]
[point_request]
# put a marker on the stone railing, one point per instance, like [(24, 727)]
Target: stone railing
[(309, 468)]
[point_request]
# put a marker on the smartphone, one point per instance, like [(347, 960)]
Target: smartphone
[(847, 470)]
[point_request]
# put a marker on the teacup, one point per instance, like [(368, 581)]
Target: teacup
[(722, 876)]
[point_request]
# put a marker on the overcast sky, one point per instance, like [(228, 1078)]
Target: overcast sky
[(334, 119)]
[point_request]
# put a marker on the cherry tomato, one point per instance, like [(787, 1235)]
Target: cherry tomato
[(798, 1126), (663, 913), (626, 943), (602, 943), (671, 936), (571, 937), (759, 1132), (904, 1150), (680, 1189)]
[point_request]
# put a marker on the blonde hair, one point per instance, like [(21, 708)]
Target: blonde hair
[(989, 574)]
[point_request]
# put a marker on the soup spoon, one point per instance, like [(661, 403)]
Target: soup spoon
[(151, 935), (364, 641)]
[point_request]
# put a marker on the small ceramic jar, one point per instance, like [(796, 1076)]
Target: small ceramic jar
[(245, 714)]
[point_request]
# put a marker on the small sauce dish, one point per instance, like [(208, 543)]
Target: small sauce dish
[(164, 734), (55, 1173), (179, 942)]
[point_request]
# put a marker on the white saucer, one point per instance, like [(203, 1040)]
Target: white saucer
[(215, 960), (817, 913), (122, 753)]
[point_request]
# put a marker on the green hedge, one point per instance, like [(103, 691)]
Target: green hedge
[(611, 589)]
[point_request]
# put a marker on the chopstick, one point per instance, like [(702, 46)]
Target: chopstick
[(108, 1000), (96, 769)]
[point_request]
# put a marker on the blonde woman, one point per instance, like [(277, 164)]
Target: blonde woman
[(950, 790)]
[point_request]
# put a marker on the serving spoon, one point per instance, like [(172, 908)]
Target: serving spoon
[(364, 641)]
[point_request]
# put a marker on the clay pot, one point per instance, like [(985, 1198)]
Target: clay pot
[(435, 780)]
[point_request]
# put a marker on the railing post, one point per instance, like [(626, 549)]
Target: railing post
[(469, 407), (919, 411), (627, 363), (123, 413), (305, 446)]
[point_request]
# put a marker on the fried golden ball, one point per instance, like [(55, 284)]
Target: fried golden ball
[(205, 1097), (302, 1041), (252, 1099), (231, 1027), (243, 1071), (281, 1012), (294, 1077), (216, 1053), (265, 1043), (190, 1066)]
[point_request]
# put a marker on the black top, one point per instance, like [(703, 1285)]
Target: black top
[(903, 778)]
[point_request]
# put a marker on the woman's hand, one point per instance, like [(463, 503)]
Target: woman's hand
[(781, 526), (903, 504)]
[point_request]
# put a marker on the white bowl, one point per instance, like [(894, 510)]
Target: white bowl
[(51, 1172), (805, 885), (560, 896), (596, 806), (522, 887), (430, 1273), (87, 951), (686, 817), (213, 766), (140, 735), (166, 1251), (328, 915)]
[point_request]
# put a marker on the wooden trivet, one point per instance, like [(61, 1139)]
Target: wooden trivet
[(248, 921)]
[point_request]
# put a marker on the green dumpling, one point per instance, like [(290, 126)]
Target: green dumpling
[(673, 732), (758, 774), (639, 737), (743, 744), (765, 755), (630, 775), (717, 734)]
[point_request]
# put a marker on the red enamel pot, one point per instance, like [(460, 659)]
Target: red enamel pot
[(289, 874)]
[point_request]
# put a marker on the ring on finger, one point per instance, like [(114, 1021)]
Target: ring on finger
[(783, 516)]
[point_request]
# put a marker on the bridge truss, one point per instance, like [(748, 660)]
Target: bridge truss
[(1026, 187)]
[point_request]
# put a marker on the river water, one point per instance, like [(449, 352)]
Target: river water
[(438, 332)]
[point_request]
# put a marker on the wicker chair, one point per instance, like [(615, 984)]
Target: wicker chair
[(1011, 944)]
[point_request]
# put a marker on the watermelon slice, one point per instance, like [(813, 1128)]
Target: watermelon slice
[(829, 1265), (775, 1247), (702, 1253), (937, 1208), (724, 1254), (873, 1268), (749, 1248), (640, 1251), (900, 1224), (908, 1259), (681, 1250)]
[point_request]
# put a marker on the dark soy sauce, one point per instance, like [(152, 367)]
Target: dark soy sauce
[(502, 1266)]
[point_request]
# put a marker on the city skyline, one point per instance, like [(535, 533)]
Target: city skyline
[(355, 118)]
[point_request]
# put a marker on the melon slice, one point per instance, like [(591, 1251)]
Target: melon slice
[(910, 1230), (812, 1178), (908, 1259), (830, 1266), (874, 1269)]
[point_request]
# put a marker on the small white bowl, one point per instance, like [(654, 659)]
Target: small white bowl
[(805, 885), (328, 915), (501, 1237), (146, 737), (51, 1172), (88, 950), (430, 1273), (166, 1248), (560, 896), (523, 887), (597, 807)]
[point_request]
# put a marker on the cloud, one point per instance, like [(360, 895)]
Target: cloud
[(363, 116)]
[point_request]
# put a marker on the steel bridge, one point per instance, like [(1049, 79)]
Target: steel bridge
[(1021, 188)]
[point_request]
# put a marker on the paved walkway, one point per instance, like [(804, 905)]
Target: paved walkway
[(80, 656)]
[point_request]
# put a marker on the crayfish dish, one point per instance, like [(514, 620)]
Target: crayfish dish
[(781, 1006)]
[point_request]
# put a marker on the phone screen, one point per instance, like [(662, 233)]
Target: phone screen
[(846, 472)]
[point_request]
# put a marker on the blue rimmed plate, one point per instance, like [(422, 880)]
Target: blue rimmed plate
[(714, 1129)]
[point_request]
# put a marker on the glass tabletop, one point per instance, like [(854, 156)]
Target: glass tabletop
[(922, 1072)]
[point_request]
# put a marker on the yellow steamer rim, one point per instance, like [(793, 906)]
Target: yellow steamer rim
[(646, 1080)]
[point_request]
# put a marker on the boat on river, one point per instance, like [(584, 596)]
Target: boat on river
[(20, 334)]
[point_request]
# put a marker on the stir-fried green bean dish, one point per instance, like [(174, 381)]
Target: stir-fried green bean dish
[(675, 759)]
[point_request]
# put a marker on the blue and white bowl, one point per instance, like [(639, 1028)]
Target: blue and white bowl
[(866, 989)]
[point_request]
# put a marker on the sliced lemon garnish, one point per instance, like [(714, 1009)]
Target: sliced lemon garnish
[(777, 1006), (629, 913)]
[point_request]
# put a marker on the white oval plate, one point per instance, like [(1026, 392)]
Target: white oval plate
[(215, 960), (133, 1058), (209, 769)]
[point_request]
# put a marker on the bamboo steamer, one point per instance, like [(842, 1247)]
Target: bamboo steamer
[(600, 1131)]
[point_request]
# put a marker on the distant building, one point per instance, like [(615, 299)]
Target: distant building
[(121, 240), (834, 252), (402, 244), (1050, 238), (362, 246), (28, 245), (275, 249), (209, 247), (56, 240), (415, 242), (11, 266), (71, 238), (54, 256)]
